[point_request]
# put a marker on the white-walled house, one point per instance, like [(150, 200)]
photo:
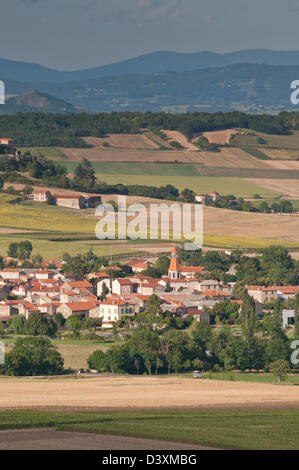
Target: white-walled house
[(111, 310)]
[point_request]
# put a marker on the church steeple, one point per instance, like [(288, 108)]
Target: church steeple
[(174, 267)]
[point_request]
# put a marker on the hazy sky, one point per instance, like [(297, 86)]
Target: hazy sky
[(74, 34)]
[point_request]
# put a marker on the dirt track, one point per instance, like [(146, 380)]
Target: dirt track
[(130, 393), (50, 439)]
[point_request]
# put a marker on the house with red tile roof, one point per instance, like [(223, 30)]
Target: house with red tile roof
[(75, 285), (86, 309), (138, 265)]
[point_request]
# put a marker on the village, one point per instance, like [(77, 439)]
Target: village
[(186, 292)]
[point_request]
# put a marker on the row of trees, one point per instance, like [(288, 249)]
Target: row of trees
[(271, 266), (155, 348), (46, 130)]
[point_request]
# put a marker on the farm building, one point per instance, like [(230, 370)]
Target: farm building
[(41, 195), (70, 200), (9, 144), (74, 201)]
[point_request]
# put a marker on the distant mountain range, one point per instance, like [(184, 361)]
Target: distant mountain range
[(252, 80), (161, 61)]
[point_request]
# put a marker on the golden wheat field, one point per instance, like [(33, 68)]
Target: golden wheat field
[(122, 141), (141, 393)]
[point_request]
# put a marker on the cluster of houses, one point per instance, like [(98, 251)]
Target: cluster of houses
[(74, 201), (202, 198), (182, 292)]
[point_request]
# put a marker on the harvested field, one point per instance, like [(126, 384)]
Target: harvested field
[(219, 137), (115, 393), (231, 158), (13, 230), (75, 356), (122, 141), (281, 154), (284, 165), (221, 221), (180, 138), (286, 187)]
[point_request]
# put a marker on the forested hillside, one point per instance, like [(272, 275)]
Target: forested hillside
[(46, 130)]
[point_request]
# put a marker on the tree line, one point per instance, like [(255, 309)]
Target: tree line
[(67, 130)]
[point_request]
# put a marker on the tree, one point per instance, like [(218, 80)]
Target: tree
[(37, 324), (168, 287), (51, 200), (280, 369), (12, 250), (248, 317), (59, 319), (33, 356), (24, 249), (144, 345), (84, 176), (98, 360), (104, 292), (187, 195), (18, 324), (28, 190), (174, 349), (75, 321), (37, 259), (2, 330), (77, 266)]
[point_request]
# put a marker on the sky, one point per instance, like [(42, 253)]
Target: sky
[(77, 34)]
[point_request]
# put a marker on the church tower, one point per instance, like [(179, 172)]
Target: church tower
[(174, 267)]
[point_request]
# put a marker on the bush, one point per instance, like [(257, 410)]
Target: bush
[(33, 356)]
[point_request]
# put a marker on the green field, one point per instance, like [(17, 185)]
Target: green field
[(49, 152), (290, 142), (155, 169), (260, 430), (180, 176), (261, 377), (257, 202), (200, 184)]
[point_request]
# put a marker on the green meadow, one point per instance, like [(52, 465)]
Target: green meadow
[(248, 430)]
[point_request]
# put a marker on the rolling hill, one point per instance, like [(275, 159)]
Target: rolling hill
[(34, 101), (160, 61)]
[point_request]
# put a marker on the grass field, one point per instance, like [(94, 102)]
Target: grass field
[(292, 379), (200, 184), (160, 169), (290, 142), (74, 352), (49, 152), (260, 430)]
